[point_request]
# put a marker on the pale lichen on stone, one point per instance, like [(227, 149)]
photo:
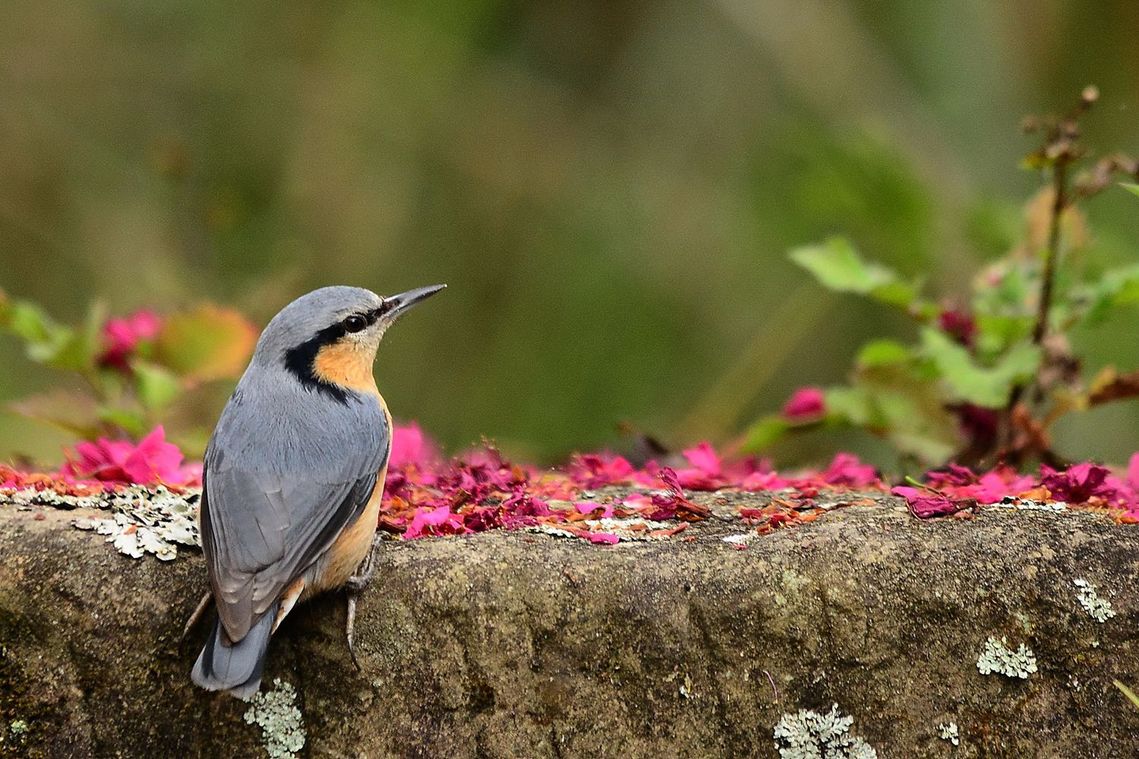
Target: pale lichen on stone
[(1027, 504), (740, 539), (626, 529), (153, 521), (281, 722), (1097, 608), (547, 529), (16, 736), (998, 658), (634, 528), (810, 735), (948, 732)]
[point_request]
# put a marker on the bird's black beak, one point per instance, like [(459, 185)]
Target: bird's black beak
[(396, 305)]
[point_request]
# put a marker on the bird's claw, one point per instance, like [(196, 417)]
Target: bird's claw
[(200, 610), (355, 585), (364, 572), (350, 628)]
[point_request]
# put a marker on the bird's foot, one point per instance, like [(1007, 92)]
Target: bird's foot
[(196, 616), (364, 572), (349, 628), (355, 585)]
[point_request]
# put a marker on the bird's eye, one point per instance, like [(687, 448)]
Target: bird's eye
[(355, 323)]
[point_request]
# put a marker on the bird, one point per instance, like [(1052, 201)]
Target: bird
[(293, 476)]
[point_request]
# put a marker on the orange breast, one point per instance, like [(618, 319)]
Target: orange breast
[(346, 364)]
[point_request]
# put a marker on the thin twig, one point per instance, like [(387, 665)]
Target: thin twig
[(1059, 204)]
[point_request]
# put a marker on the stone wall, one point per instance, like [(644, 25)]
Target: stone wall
[(529, 645)]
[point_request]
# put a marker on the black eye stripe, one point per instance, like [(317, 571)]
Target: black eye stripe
[(299, 359), (357, 322)]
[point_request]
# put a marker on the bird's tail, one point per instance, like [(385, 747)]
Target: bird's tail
[(235, 667)]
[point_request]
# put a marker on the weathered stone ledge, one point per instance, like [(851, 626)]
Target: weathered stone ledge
[(524, 645)]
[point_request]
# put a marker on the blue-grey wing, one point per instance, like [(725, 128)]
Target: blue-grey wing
[(264, 525)]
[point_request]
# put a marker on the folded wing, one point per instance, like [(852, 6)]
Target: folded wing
[(265, 519)]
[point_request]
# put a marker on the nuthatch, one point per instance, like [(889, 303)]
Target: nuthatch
[(294, 474)]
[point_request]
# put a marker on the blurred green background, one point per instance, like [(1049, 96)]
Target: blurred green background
[(608, 187)]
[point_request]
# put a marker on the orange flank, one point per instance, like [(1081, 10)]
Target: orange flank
[(346, 364), (349, 550)]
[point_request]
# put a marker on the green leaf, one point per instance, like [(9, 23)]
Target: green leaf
[(156, 387), (849, 405), (1117, 287), (1005, 290), (900, 294), (909, 411), (71, 411), (78, 352), (984, 386), (130, 421), (207, 343), (50, 343), (838, 267), (29, 322), (765, 433), (996, 333), (882, 352), (1130, 187)]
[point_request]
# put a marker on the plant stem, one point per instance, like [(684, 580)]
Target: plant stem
[(1048, 277), (1059, 203)]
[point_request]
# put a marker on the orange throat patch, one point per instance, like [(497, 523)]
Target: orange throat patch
[(346, 365)]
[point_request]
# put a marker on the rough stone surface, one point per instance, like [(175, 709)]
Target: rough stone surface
[(525, 645)]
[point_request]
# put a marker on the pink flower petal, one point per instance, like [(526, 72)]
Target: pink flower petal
[(152, 461), (605, 538), (846, 469), (596, 470), (410, 446), (434, 521), (805, 404), (925, 504), (704, 458), (121, 337)]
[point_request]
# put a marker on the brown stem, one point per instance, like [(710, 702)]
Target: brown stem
[(1059, 202)]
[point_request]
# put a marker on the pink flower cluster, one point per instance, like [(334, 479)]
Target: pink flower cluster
[(152, 461), (704, 469), (427, 495), (479, 491), (956, 488), (122, 336)]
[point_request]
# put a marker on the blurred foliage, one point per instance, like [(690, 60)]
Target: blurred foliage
[(989, 378), (607, 187), (133, 369)]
